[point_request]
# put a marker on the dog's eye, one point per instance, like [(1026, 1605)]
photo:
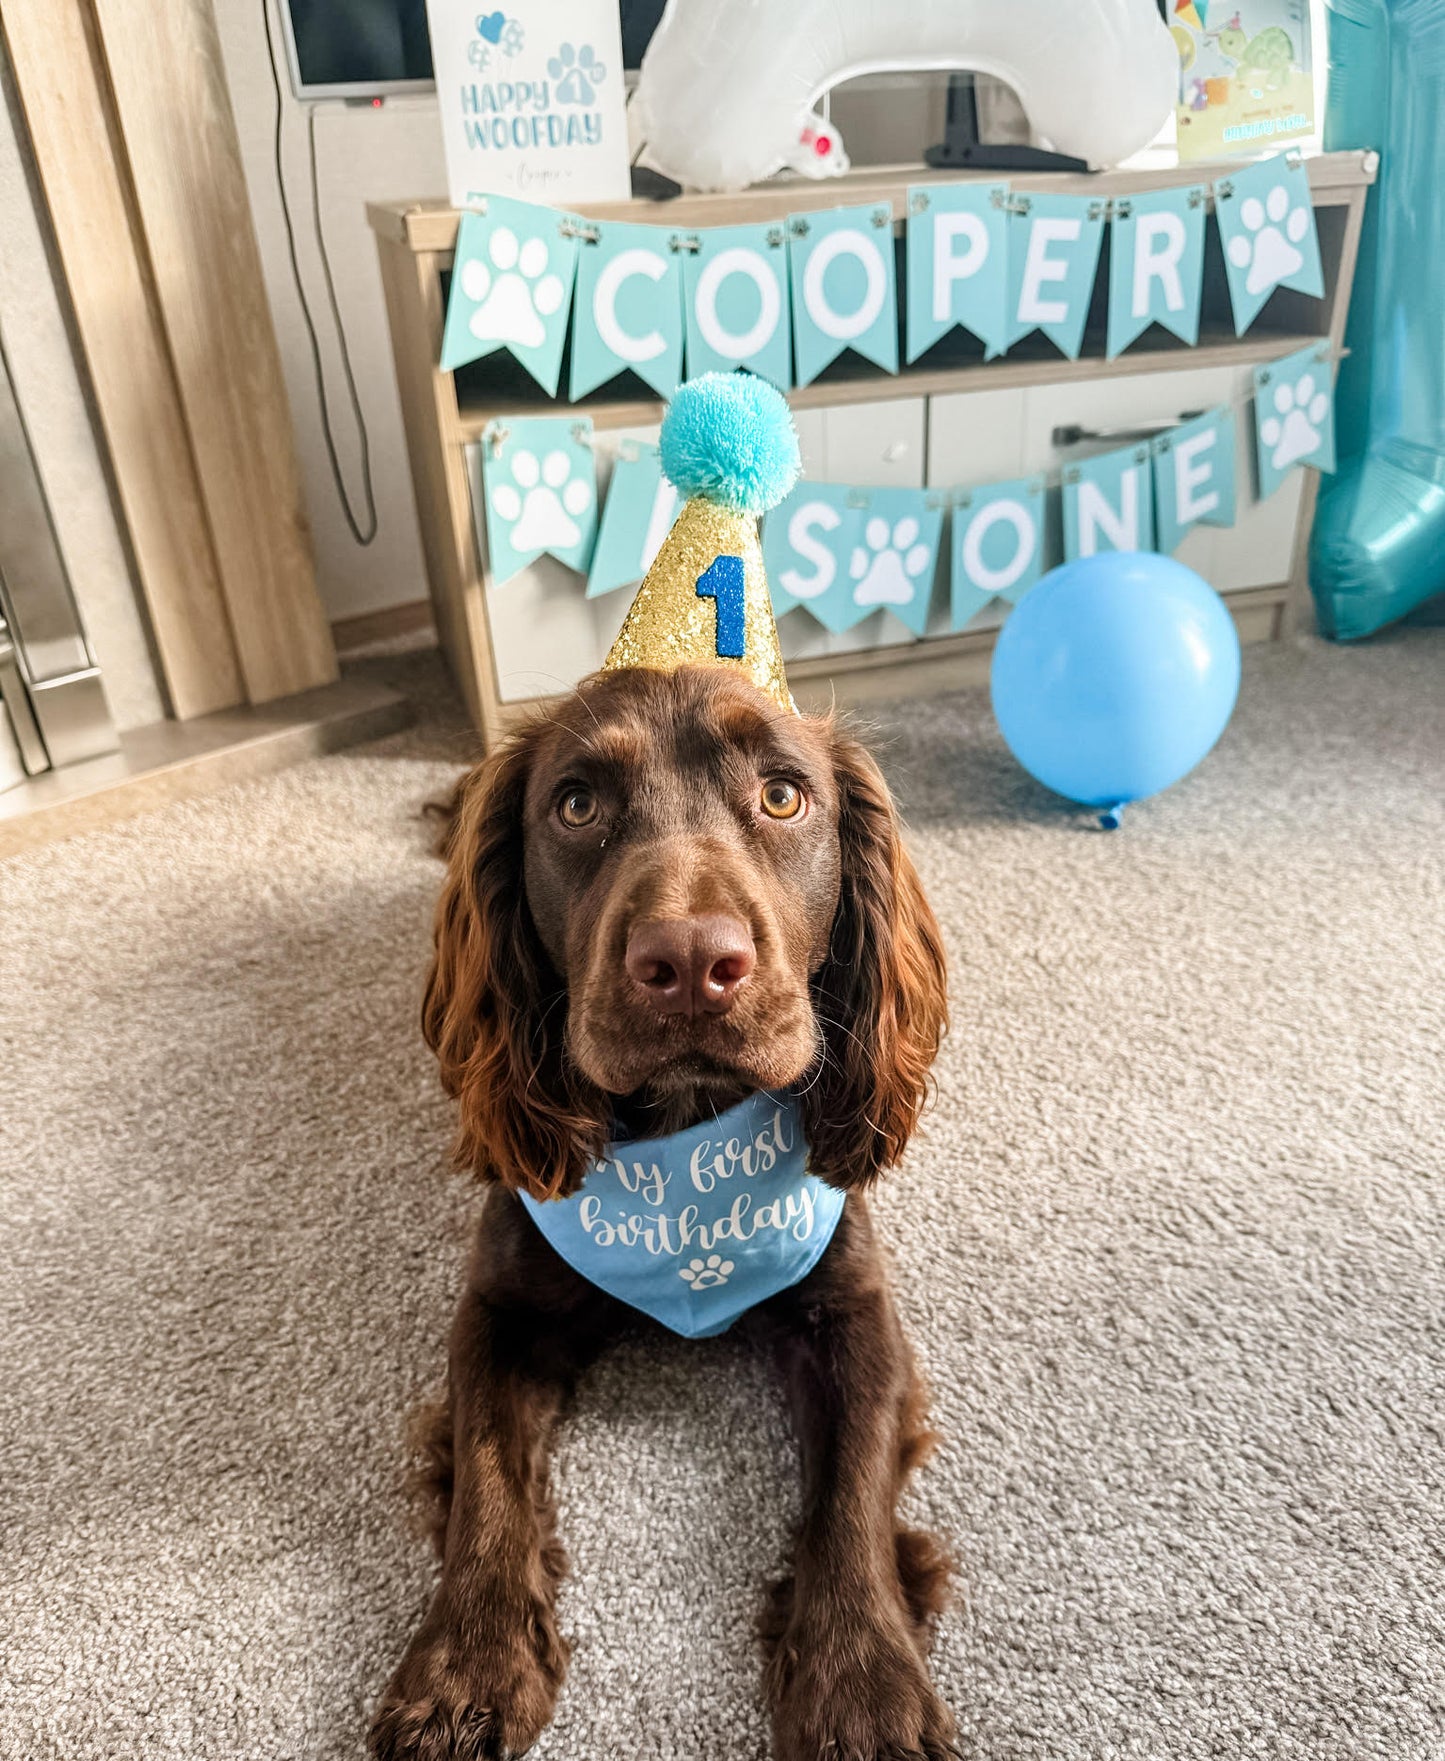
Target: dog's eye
[(781, 799), (577, 808)]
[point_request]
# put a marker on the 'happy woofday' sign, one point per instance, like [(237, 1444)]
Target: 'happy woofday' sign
[(532, 101)]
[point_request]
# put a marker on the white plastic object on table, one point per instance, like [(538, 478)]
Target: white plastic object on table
[(727, 89)]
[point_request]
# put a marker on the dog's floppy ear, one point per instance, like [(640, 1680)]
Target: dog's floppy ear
[(495, 1010), (881, 992)]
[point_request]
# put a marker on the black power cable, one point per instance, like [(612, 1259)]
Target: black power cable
[(362, 535)]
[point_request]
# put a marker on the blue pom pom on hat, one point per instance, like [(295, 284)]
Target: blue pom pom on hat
[(729, 447), (729, 438)]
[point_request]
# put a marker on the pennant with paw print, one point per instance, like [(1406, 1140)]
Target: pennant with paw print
[(512, 287), (1266, 219), (1294, 415), (539, 486), (895, 555)]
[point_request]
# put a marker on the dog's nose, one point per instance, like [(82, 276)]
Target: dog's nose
[(690, 965)]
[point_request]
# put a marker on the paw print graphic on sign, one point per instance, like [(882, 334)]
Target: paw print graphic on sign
[(542, 503), (1268, 246), (707, 1274), (1294, 431), (889, 562), (513, 37), (577, 73), (513, 290)]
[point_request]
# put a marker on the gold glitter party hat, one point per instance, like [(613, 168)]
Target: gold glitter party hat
[(729, 447)]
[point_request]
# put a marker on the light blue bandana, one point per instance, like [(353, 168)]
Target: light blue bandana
[(696, 1228)]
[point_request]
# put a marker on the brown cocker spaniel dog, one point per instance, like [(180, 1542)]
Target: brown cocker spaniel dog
[(662, 896)]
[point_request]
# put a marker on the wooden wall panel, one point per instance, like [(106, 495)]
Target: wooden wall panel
[(64, 98), (174, 119)]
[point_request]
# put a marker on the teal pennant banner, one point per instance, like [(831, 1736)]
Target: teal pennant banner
[(844, 552), (736, 285), (640, 509), (539, 482), (1156, 265), (840, 263), (997, 548), (808, 540), (1053, 251), (1266, 222), (895, 554), (512, 287), (1194, 477), (1109, 503), (956, 258), (627, 310), (1294, 415)]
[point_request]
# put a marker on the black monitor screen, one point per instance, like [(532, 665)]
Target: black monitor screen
[(360, 43), (361, 46)]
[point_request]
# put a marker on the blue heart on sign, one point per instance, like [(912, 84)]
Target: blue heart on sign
[(491, 26)]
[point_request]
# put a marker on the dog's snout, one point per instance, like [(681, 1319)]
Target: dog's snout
[(690, 965)]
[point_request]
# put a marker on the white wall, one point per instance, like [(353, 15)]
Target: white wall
[(363, 155)]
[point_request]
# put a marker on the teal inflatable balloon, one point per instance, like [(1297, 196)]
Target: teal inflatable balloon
[(1114, 676), (1378, 545)]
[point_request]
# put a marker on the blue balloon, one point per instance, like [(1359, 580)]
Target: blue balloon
[(1114, 676)]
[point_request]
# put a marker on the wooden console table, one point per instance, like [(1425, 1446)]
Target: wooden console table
[(942, 399)]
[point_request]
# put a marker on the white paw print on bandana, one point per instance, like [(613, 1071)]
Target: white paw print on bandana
[(887, 564), (541, 501), (1274, 228), (515, 293), (707, 1274), (1293, 431)]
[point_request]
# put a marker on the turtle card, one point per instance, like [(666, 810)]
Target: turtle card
[(533, 100), (1246, 80)]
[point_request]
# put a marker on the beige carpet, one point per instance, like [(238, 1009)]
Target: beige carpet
[(1172, 1248)]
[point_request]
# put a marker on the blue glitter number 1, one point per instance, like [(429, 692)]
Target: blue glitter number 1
[(723, 581)]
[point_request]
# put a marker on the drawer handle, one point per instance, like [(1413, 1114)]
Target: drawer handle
[(895, 450), (1071, 434)]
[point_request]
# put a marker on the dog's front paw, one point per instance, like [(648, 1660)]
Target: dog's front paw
[(474, 1691), (428, 1730), (864, 1693)]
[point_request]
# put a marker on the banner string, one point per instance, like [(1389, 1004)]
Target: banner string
[(1145, 436)]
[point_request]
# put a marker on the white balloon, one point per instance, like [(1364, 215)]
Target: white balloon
[(727, 87)]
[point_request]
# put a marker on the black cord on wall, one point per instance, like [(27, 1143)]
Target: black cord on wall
[(362, 533)]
